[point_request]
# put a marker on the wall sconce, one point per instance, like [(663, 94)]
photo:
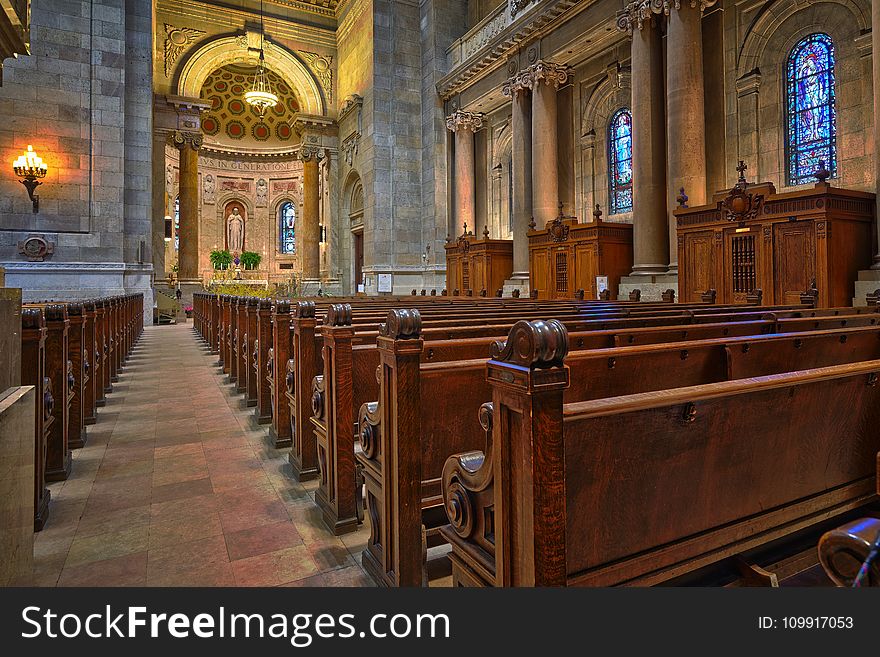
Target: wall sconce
[(168, 228), (30, 168)]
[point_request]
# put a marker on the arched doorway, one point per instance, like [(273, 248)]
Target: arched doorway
[(356, 223)]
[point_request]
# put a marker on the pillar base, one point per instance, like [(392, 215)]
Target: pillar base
[(867, 282), (517, 282), (652, 287)]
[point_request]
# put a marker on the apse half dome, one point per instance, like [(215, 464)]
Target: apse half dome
[(233, 124)]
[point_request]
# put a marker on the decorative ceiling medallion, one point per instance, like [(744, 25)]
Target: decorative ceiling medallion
[(210, 126), (322, 67), (283, 131), (235, 129), (236, 106), (261, 132), (177, 39), (36, 247)]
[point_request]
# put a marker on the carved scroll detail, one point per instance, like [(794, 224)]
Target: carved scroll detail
[(369, 421), (304, 309), (318, 397), (402, 324), (537, 344), (338, 314)]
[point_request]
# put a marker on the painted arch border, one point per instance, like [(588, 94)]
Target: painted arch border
[(226, 50)]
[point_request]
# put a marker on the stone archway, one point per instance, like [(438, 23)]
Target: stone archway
[(234, 50)]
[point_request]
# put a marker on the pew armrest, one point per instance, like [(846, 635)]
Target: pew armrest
[(468, 497)]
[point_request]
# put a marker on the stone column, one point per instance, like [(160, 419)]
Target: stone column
[(464, 125), (685, 112), (521, 163), (650, 232), (875, 58), (160, 203), (188, 253), (545, 78), (311, 231)]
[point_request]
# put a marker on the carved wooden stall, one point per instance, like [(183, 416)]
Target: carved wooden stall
[(567, 256), (478, 264), (751, 238)]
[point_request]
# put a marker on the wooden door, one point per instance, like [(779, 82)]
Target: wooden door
[(794, 260), (698, 266)]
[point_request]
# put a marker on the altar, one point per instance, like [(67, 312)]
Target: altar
[(752, 238)]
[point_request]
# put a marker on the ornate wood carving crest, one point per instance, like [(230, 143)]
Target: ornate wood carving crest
[(322, 67), (177, 39), (741, 205)]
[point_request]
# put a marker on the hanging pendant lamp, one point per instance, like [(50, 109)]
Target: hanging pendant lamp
[(261, 95)]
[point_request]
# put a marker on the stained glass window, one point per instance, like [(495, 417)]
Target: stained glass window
[(811, 121), (287, 227), (620, 153), (176, 223)]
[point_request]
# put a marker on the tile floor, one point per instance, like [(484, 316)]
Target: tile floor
[(178, 487)]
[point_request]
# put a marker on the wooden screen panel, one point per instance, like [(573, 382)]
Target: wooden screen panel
[(560, 267), (699, 266), (795, 260)]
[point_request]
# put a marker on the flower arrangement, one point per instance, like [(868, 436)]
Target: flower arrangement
[(250, 259), (220, 259), (243, 290)]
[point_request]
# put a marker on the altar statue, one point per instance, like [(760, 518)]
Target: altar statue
[(235, 232)]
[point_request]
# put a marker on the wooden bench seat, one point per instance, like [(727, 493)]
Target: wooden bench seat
[(456, 391), (641, 488)]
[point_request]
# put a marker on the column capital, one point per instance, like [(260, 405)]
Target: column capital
[(181, 139), (463, 120), (639, 12), (531, 77), (308, 152)]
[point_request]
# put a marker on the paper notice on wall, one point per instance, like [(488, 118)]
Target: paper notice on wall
[(384, 283), (601, 285)]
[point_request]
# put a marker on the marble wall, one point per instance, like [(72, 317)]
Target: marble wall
[(70, 99)]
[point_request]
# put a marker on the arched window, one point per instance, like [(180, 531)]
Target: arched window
[(620, 171), (811, 121), (287, 228), (176, 223)]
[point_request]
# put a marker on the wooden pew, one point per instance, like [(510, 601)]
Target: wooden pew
[(449, 417), (59, 369), (262, 345), (76, 348), (250, 337), (102, 358), (361, 362), (33, 373), (90, 372), (722, 468)]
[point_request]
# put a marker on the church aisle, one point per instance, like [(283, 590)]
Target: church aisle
[(177, 486)]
